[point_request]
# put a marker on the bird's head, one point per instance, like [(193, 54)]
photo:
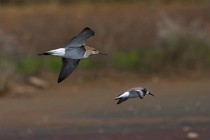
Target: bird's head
[(147, 92), (94, 51)]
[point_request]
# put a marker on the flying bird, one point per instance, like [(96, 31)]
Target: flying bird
[(133, 93), (73, 52)]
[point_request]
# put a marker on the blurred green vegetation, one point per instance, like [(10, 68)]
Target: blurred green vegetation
[(174, 55), (128, 60), (86, 64), (27, 64), (180, 54), (33, 64), (52, 64), (5, 61)]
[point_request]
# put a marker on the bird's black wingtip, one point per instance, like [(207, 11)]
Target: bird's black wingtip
[(89, 29), (45, 53), (119, 102), (59, 80), (86, 28)]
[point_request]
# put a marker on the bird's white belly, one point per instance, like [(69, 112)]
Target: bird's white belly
[(86, 55)]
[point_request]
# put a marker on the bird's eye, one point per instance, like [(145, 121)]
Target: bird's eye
[(144, 90)]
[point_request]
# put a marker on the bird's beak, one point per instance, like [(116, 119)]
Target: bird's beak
[(151, 94), (102, 53)]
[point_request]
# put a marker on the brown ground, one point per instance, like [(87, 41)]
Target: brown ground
[(87, 110)]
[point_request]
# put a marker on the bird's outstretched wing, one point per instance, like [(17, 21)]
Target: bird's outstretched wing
[(80, 39), (137, 92), (68, 67)]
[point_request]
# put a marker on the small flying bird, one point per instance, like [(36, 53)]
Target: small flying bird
[(133, 93), (73, 52)]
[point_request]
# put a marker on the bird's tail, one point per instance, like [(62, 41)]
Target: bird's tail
[(45, 53), (117, 98)]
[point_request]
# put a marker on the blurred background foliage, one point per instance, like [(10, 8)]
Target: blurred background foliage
[(143, 38)]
